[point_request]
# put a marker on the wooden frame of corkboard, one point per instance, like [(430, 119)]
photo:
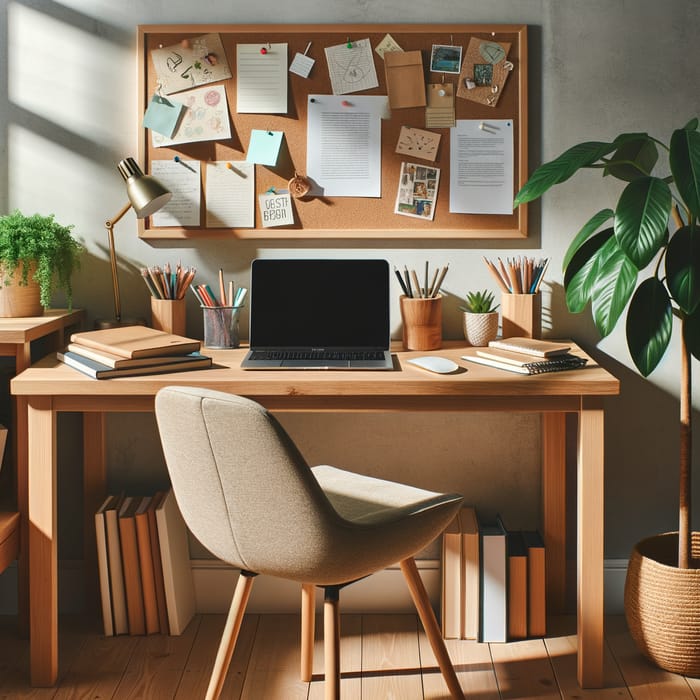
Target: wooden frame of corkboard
[(343, 217)]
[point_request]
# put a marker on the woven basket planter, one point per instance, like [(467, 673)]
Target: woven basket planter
[(19, 300), (479, 329), (662, 604)]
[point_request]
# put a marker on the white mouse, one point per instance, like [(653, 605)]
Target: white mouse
[(432, 363)]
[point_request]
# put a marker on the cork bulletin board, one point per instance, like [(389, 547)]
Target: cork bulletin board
[(338, 217)]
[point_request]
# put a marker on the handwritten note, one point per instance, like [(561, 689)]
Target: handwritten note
[(182, 179), (230, 193), (261, 84), (276, 209)]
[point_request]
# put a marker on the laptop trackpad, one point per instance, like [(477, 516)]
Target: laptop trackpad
[(319, 364)]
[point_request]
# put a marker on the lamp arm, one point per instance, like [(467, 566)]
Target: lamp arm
[(109, 225)]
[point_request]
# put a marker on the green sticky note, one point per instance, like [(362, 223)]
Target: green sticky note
[(163, 115), (264, 147)]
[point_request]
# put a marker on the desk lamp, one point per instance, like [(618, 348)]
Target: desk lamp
[(146, 196)]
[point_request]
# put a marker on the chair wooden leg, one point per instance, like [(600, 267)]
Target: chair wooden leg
[(331, 642), (430, 625), (230, 635), (308, 621)]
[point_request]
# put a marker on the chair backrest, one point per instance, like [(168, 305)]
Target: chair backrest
[(243, 488)]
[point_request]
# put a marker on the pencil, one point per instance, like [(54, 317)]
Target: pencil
[(416, 283), (222, 287), (497, 276), (401, 282), (438, 284)]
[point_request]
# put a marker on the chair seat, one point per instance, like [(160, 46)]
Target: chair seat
[(367, 500)]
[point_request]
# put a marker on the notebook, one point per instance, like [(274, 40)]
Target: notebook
[(319, 314)]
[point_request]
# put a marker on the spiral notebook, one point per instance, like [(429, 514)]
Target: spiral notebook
[(517, 362)]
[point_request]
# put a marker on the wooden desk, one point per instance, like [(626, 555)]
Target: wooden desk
[(16, 337), (49, 387)]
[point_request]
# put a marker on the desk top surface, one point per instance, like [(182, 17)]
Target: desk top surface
[(25, 328), (51, 378)]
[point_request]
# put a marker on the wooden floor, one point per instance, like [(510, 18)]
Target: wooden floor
[(383, 657)]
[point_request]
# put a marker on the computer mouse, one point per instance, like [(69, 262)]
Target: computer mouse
[(432, 363)]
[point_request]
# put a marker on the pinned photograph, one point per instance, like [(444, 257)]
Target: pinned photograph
[(417, 191), (445, 59)]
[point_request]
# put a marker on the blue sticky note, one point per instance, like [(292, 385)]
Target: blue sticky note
[(163, 115), (264, 147)]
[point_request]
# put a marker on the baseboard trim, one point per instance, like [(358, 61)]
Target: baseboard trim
[(385, 591)]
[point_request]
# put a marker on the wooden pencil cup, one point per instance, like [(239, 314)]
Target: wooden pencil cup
[(521, 315), (422, 322), (168, 315)]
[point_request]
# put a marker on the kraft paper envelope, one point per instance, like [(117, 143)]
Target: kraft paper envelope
[(405, 83)]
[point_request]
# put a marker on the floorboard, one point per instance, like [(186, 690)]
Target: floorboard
[(382, 657)]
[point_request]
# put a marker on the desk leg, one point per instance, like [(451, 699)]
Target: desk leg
[(554, 507), (590, 491), (43, 554)]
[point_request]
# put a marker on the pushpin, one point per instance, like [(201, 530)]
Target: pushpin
[(263, 50), (177, 159), (441, 92), (185, 43), (345, 103), (211, 59), (229, 166), (349, 43)]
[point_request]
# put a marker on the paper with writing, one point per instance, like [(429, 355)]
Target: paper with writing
[(261, 78), (183, 180), (230, 193)]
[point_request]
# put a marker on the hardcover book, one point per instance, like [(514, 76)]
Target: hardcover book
[(97, 370), (136, 341), (531, 346)]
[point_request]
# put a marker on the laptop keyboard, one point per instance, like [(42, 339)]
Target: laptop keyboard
[(317, 355)]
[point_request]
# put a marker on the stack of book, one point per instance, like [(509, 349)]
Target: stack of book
[(146, 584), (527, 356), (493, 581), (131, 350)]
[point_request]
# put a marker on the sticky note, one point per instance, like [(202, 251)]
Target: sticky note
[(163, 115), (276, 209), (264, 147)]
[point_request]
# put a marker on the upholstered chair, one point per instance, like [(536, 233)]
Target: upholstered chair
[(248, 495)]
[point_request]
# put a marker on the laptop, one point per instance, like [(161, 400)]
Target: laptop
[(319, 314)]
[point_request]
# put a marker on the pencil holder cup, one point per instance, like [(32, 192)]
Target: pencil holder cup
[(168, 315), (422, 322), (221, 326), (521, 315)]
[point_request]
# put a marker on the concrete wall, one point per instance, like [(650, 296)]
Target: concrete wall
[(68, 115)]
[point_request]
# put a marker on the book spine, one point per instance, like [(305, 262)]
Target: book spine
[(148, 583), (451, 581), (132, 575)]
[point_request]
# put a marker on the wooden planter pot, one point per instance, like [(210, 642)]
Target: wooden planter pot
[(17, 300), (662, 604)]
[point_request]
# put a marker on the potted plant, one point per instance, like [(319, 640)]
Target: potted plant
[(480, 320), (38, 254), (645, 256)]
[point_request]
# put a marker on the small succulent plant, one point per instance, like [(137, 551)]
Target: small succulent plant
[(479, 302)]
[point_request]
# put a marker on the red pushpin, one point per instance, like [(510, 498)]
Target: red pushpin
[(345, 103), (263, 50)]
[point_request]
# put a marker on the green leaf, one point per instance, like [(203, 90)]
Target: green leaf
[(582, 272), (649, 325), (692, 125), (683, 268), (592, 225), (613, 287), (635, 158), (692, 333), (685, 167), (641, 218), (561, 169)]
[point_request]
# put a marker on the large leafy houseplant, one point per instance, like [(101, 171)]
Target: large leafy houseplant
[(41, 246), (644, 255)]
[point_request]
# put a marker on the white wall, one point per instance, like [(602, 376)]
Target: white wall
[(597, 68)]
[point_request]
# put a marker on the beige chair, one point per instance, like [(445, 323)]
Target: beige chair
[(248, 495)]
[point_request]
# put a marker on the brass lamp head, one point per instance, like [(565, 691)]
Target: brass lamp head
[(145, 193)]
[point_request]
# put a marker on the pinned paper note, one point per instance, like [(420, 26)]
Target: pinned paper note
[(264, 147), (205, 118), (163, 115), (184, 182), (276, 209), (191, 63), (261, 78), (302, 64), (484, 71), (351, 67), (418, 143), (388, 43), (230, 193), (440, 112), (417, 191)]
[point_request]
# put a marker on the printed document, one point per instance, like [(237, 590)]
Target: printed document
[(481, 167), (343, 153)]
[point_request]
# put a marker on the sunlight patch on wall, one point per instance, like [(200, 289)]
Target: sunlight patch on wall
[(67, 76)]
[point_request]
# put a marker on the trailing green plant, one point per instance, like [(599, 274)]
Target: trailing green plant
[(644, 256), (40, 243), (479, 302)]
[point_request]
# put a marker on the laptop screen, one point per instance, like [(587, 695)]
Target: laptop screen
[(319, 304)]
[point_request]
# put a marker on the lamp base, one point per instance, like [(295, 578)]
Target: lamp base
[(103, 323)]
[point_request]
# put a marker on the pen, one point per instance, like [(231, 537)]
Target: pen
[(401, 282), (407, 281)]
